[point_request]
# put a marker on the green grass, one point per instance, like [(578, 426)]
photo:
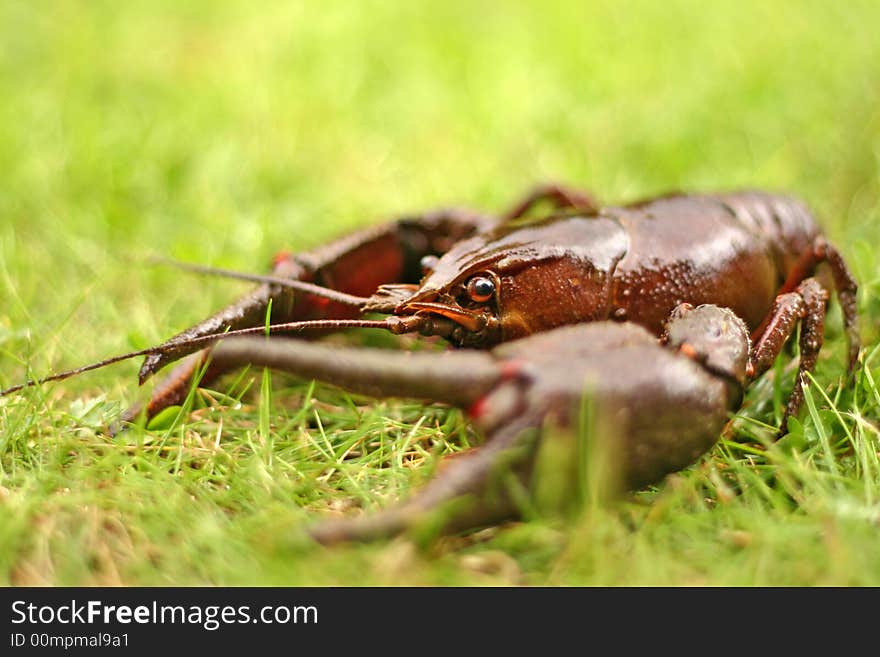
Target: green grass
[(221, 133)]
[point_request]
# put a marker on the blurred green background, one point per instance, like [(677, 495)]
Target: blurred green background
[(222, 132)]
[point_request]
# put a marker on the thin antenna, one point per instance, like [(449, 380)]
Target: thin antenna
[(393, 324), (302, 286), (79, 370)]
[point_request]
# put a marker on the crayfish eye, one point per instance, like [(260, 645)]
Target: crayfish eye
[(480, 289)]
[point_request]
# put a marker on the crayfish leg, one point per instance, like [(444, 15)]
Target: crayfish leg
[(561, 196), (845, 287), (806, 305)]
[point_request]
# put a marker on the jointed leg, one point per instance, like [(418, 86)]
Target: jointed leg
[(847, 288), (561, 197), (844, 284), (806, 305)]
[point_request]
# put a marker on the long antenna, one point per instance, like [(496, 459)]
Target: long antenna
[(302, 286), (79, 370), (393, 324)]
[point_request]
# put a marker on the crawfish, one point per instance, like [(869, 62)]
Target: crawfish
[(479, 280), (614, 276)]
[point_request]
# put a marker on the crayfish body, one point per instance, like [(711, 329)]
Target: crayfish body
[(573, 300), (478, 281)]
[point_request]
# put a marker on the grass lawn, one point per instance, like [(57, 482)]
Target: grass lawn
[(221, 133)]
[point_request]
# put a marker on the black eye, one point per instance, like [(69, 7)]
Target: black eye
[(480, 289)]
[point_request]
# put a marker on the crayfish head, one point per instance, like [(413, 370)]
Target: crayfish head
[(518, 280)]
